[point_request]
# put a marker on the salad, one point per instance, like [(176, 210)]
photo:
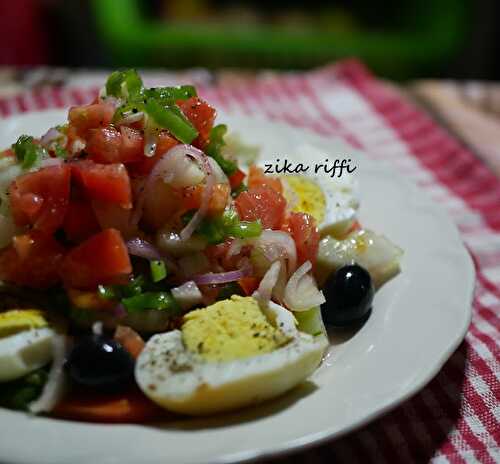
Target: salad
[(148, 266)]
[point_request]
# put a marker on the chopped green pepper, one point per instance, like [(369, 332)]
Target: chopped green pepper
[(245, 229), (158, 270), (27, 152), (19, 393), (60, 151), (151, 300), (214, 147), (171, 94), (171, 117), (236, 191), (129, 78)]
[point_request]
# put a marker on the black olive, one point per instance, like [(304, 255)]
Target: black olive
[(100, 362), (349, 294)]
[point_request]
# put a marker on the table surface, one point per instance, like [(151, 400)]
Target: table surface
[(456, 418), (470, 110)]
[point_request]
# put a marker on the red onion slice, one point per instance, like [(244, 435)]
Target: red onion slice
[(301, 291), (221, 277), (54, 387), (142, 248), (51, 136)]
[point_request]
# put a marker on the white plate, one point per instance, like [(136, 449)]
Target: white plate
[(419, 319)]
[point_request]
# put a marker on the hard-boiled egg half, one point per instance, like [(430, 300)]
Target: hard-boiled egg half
[(226, 356), (25, 343), (332, 201)]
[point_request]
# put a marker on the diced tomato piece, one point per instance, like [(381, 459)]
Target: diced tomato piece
[(91, 116), (125, 407), (201, 115), (248, 284), (130, 340), (113, 216), (236, 179), (33, 260), (109, 145), (164, 143), (80, 221), (304, 232), (262, 203), (105, 182), (102, 259), (40, 198), (257, 177), (191, 198)]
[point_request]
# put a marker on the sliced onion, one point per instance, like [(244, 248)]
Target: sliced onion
[(221, 277), (194, 264), (277, 244), (50, 136), (142, 248), (97, 328), (163, 168), (235, 247), (171, 243), (150, 141), (267, 284), (301, 291), (187, 295), (54, 387), (131, 118)]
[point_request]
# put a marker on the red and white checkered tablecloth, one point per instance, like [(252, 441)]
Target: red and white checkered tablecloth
[(456, 418)]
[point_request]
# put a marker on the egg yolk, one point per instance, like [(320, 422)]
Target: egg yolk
[(18, 320), (306, 196), (230, 329)]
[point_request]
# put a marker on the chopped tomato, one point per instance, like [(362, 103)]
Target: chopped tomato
[(130, 340), (201, 115), (304, 232), (80, 221), (262, 203), (236, 179), (248, 284), (129, 406), (113, 216), (33, 260), (105, 182), (164, 143), (84, 299), (40, 199), (256, 178), (90, 116), (109, 145), (75, 142), (102, 259), (191, 198)]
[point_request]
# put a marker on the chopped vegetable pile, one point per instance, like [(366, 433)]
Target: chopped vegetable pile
[(132, 213)]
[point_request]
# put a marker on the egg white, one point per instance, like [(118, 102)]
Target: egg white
[(341, 193), (24, 352), (182, 381)]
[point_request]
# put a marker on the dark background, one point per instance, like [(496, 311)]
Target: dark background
[(398, 39)]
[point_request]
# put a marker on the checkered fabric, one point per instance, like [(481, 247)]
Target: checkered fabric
[(456, 417)]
